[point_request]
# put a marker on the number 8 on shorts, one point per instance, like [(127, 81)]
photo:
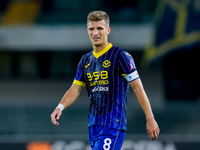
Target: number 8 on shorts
[(107, 143)]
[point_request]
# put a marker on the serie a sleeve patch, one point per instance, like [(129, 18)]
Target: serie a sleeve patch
[(132, 76)]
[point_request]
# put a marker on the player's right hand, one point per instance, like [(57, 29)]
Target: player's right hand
[(56, 116)]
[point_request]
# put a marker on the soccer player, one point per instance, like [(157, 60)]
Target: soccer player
[(107, 72)]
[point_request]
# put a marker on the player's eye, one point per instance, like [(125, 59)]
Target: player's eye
[(91, 29), (100, 28)]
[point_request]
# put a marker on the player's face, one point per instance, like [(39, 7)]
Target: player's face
[(98, 32)]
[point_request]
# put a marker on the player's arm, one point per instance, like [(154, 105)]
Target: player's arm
[(68, 99), (152, 126)]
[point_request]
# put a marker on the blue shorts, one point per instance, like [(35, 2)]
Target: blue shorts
[(104, 138)]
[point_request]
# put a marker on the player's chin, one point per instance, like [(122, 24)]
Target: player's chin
[(97, 44)]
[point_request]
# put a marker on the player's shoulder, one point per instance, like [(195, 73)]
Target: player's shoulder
[(121, 52), (87, 55), (117, 50)]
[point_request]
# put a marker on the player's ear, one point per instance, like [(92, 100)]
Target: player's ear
[(108, 30)]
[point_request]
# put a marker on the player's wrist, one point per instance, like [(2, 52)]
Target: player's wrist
[(61, 106), (150, 118)]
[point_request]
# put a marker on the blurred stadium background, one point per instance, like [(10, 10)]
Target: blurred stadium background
[(41, 42)]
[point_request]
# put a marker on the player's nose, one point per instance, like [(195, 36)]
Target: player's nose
[(95, 32)]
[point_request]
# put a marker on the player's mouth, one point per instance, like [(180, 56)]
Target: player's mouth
[(95, 39)]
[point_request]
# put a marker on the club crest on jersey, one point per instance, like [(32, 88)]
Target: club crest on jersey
[(106, 63)]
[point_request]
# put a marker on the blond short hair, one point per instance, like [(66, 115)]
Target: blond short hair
[(98, 16)]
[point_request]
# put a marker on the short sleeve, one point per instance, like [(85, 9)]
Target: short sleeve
[(79, 77), (127, 67)]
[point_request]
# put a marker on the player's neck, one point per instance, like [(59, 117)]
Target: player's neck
[(99, 48)]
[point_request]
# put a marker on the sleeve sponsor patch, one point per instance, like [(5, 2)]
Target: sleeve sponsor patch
[(132, 76)]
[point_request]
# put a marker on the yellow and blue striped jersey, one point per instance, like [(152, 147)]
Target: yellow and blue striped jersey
[(107, 75)]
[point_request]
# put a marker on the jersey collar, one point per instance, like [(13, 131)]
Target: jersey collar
[(107, 48)]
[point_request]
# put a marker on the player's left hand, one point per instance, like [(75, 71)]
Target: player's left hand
[(153, 129)]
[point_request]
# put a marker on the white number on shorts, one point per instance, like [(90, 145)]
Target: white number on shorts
[(107, 143)]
